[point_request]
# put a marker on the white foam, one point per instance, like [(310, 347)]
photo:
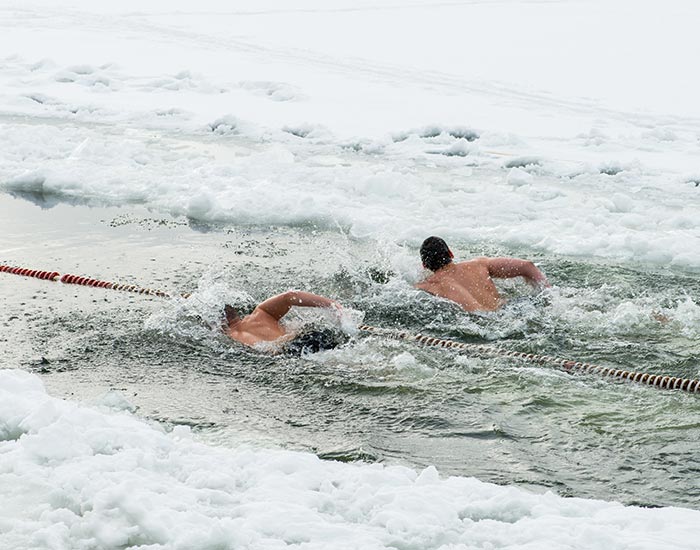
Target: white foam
[(421, 135)]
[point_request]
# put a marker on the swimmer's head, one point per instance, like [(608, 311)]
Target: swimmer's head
[(434, 253), (238, 307), (231, 315)]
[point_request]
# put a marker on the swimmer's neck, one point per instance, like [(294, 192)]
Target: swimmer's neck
[(447, 268)]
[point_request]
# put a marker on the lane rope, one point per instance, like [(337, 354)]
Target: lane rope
[(85, 281), (656, 380)]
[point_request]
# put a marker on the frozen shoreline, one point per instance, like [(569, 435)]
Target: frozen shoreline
[(414, 187), (82, 477), (285, 124)]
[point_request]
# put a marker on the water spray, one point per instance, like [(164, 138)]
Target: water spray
[(656, 380)]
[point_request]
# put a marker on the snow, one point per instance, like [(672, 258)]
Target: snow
[(572, 127), (218, 125), (74, 476)]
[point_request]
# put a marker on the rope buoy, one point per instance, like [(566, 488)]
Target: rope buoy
[(656, 380), (47, 275), (85, 281)]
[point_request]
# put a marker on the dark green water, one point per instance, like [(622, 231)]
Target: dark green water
[(375, 399)]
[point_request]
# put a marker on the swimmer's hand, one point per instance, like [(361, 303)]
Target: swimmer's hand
[(336, 310), (535, 277), (540, 283), (660, 317)]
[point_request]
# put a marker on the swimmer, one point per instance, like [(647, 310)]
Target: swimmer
[(263, 324), (470, 283)]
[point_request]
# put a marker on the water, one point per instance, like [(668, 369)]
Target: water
[(301, 154), (374, 400)]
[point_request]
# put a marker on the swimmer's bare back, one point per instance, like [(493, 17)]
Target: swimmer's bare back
[(470, 283)]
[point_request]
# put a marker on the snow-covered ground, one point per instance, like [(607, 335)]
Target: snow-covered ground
[(77, 477), (571, 127)]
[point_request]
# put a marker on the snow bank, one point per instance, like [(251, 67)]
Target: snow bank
[(405, 132), (79, 477)]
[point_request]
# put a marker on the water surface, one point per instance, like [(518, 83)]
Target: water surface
[(375, 399)]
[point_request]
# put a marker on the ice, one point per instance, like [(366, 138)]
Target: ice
[(74, 476)]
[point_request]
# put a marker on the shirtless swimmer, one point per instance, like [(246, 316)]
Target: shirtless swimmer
[(263, 324), (470, 283)]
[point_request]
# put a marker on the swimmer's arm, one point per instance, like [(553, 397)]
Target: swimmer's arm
[(279, 305), (513, 267)]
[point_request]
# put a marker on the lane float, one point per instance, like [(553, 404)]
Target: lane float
[(85, 281), (656, 380), (47, 275)]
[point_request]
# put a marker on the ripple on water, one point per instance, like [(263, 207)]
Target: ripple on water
[(499, 419)]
